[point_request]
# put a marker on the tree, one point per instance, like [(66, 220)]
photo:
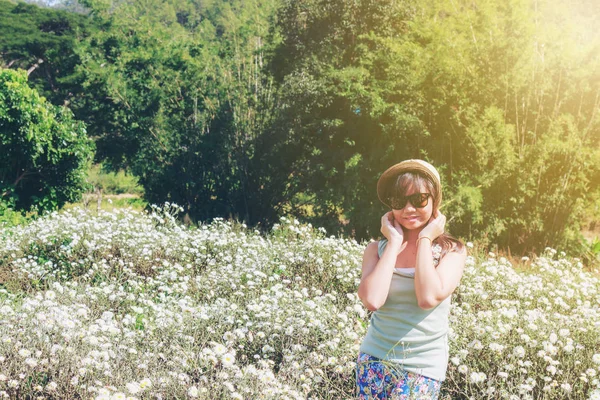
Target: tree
[(41, 41), (45, 151), (179, 93), (505, 104)]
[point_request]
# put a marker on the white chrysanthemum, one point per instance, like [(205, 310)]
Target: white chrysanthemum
[(496, 347), (228, 359), (596, 358), (31, 362), (519, 351), (564, 332), (24, 353), (193, 391), (568, 348), (145, 383), (219, 349), (133, 387), (477, 377), (595, 395)]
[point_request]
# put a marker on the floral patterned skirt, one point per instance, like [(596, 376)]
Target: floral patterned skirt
[(377, 379)]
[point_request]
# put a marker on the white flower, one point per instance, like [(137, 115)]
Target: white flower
[(31, 362), (133, 387), (496, 347), (145, 383), (519, 351), (477, 377), (476, 344), (24, 353), (564, 332), (595, 395), (568, 348), (219, 349), (193, 391), (566, 387), (596, 358), (228, 359), (463, 369)]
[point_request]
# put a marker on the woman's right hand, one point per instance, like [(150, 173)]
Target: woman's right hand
[(392, 230)]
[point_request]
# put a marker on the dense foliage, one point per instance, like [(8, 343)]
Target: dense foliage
[(133, 304), (45, 152), (251, 109), (42, 41), (179, 95), (504, 97)]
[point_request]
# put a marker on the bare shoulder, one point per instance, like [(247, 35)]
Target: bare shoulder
[(459, 250), (371, 250), (456, 256)]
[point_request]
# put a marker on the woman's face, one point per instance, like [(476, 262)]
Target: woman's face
[(411, 217)]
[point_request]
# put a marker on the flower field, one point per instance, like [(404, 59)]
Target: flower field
[(131, 305)]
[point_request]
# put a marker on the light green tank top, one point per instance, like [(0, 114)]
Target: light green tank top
[(402, 332)]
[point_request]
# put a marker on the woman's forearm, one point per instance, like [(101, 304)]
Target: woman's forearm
[(427, 281), (374, 288)]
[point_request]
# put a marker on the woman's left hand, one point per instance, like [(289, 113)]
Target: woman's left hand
[(435, 227)]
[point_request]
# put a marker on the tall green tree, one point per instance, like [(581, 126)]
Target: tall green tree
[(179, 93), (41, 41), (45, 152), (502, 96)]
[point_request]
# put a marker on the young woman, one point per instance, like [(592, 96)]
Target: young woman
[(407, 280)]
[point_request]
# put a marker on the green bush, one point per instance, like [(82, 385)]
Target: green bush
[(45, 152)]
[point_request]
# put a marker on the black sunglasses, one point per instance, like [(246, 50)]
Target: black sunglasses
[(418, 200)]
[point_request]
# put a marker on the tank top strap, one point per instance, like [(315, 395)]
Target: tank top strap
[(381, 246)]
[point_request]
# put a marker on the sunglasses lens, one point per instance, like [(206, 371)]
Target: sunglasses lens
[(398, 203), (418, 200)]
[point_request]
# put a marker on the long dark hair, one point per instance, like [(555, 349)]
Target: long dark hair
[(407, 180)]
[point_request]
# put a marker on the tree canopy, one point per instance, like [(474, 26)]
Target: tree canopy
[(252, 109), (45, 151)]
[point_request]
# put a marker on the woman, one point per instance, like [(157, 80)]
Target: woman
[(407, 280)]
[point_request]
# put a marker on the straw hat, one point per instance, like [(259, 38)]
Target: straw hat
[(415, 165)]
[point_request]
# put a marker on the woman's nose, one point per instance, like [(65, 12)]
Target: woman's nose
[(408, 206)]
